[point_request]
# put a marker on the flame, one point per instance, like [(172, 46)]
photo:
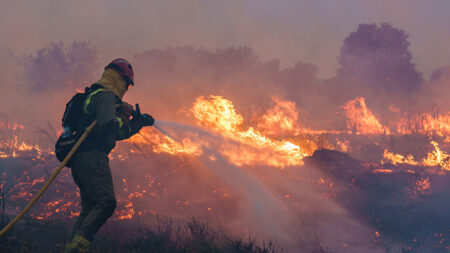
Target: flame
[(280, 120), (218, 113), (275, 139), (425, 123), (127, 212), (437, 125), (255, 145), (384, 171), (11, 126), (423, 186), (361, 119), (61, 207), (14, 147), (437, 157), (164, 144), (343, 145), (399, 159), (393, 108)]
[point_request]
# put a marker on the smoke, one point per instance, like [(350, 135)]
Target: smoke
[(34, 83), (179, 75), (376, 63), (302, 221), (399, 212), (437, 88), (289, 30), (375, 60), (57, 67), (263, 200), (265, 211)]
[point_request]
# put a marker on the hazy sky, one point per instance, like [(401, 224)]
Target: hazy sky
[(311, 31)]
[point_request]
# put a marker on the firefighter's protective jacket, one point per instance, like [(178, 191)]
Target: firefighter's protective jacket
[(102, 104)]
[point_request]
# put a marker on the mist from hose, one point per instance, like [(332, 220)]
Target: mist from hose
[(265, 212)]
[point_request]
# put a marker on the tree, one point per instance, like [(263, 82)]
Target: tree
[(57, 66), (379, 56)]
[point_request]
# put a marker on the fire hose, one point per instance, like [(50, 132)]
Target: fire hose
[(50, 180)]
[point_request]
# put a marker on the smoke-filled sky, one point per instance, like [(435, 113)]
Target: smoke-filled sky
[(310, 31), (173, 48)]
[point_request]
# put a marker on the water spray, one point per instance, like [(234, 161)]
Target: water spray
[(157, 126), (265, 208)]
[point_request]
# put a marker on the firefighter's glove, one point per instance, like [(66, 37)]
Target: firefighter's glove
[(124, 112), (146, 120)]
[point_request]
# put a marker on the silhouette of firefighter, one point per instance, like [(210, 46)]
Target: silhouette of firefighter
[(116, 120)]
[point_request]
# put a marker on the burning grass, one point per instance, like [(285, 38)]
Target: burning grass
[(249, 177)]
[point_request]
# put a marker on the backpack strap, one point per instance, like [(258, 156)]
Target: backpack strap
[(88, 100)]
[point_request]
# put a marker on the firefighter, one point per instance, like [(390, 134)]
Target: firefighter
[(90, 164)]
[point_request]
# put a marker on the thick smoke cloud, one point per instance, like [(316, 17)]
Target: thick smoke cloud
[(170, 79), (438, 88), (287, 30), (9, 80), (375, 63)]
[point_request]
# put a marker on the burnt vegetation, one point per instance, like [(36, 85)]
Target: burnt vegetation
[(399, 204)]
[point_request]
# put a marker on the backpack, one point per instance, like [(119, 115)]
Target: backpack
[(72, 116)]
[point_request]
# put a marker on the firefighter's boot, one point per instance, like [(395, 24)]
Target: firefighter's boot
[(79, 244)]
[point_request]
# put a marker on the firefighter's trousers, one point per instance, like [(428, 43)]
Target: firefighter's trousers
[(92, 174)]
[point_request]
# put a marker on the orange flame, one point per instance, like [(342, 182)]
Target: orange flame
[(164, 144), (399, 159), (12, 126), (423, 186), (280, 120), (218, 113), (437, 157), (260, 144), (361, 119), (13, 147), (425, 123)]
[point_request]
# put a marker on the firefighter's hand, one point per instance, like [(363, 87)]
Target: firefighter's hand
[(147, 120), (124, 112)]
